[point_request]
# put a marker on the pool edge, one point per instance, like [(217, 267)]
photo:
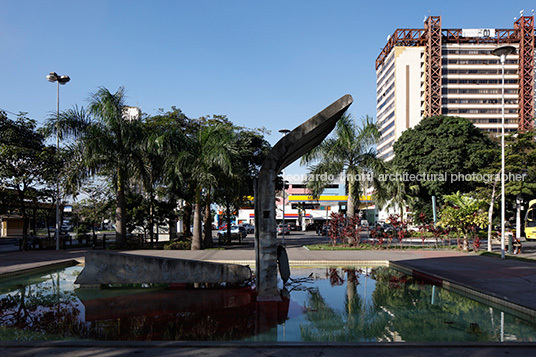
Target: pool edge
[(40, 268), (467, 291)]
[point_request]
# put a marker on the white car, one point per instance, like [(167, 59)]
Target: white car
[(250, 229), (236, 232)]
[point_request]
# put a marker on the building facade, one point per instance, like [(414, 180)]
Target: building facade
[(434, 71), (301, 209)]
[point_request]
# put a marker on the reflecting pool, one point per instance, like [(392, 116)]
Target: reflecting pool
[(319, 304)]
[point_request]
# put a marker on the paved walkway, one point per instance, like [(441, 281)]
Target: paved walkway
[(509, 280)]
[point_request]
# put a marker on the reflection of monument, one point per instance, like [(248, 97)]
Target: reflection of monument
[(287, 150), (184, 314)]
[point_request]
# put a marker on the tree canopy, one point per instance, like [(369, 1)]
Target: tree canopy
[(442, 145), (27, 164)]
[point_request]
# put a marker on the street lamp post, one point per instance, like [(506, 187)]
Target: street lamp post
[(54, 77), (284, 132), (502, 52)]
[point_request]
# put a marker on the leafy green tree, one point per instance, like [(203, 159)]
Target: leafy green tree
[(106, 145), (350, 151), (26, 164), (234, 190), (520, 160), (441, 145), (464, 213)]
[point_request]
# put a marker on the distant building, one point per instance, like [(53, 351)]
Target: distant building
[(11, 226), (433, 71), (131, 113), (302, 209)]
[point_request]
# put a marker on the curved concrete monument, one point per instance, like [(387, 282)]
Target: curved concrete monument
[(291, 147)]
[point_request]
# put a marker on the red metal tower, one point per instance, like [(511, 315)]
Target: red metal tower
[(525, 32), (432, 30)]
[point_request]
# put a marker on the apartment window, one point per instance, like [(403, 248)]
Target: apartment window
[(477, 111), (479, 71), (480, 81), (479, 101), (387, 128), (477, 91), (476, 61)]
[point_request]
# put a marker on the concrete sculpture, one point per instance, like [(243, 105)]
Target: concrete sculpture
[(287, 150)]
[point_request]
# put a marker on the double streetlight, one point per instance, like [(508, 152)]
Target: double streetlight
[(54, 77), (284, 132), (502, 52)]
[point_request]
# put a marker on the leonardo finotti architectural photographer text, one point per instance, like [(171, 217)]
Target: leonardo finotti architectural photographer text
[(407, 177)]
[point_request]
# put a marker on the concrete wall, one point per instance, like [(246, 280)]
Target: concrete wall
[(118, 268)]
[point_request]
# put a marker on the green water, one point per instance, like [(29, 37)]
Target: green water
[(332, 304)]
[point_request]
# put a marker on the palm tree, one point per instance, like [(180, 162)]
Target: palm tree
[(106, 145), (392, 192), (350, 151), (208, 150)]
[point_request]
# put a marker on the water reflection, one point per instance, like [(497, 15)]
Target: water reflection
[(184, 314), (332, 304), (403, 309)]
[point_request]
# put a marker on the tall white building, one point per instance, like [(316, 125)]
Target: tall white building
[(433, 71)]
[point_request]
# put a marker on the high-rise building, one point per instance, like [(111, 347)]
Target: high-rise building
[(433, 71)]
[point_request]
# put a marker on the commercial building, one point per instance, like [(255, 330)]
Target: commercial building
[(302, 209), (433, 71)]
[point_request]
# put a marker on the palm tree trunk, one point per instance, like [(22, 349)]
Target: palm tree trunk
[(187, 219), (350, 204), (120, 214), (209, 243), (196, 239)]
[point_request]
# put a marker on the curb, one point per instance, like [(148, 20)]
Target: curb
[(41, 268), (464, 290)]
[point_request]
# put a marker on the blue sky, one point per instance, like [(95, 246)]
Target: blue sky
[(266, 64)]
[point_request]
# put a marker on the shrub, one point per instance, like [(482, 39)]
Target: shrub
[(179, 245)]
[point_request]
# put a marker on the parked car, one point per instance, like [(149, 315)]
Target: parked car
[(293, 226), (386, 227), (236, 232), (66, 228), (250, 229), (283, 228), (323, 231)]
